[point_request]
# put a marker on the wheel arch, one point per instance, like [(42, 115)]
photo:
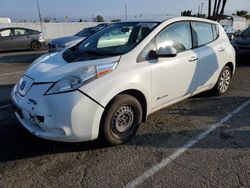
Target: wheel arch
[(231, 66), (141, 98), (136, 94)]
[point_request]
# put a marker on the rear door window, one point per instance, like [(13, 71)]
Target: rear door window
[(202, 33), (20, 32)]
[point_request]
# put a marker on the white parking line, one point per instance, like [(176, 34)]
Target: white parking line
[(153, 170), (11, 73), (5, 106)]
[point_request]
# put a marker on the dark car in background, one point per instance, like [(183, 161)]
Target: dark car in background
[(242, 43), (17, 38), (63, 42)]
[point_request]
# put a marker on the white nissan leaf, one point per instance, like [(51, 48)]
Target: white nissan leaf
[(109, 83)]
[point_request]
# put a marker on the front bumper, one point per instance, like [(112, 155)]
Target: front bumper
[(67, 117)]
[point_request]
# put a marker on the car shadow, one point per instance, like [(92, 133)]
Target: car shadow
[(243, 61), (16, 143), (5, 92)]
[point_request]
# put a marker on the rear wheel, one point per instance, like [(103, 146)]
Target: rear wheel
[(223, 82), (121, 120), (35, 45)]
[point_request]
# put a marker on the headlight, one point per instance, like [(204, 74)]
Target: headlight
[(78, 78)]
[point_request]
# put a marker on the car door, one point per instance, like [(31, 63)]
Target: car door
[(21, 38), (205, 40), (6, 40), (174, 77)]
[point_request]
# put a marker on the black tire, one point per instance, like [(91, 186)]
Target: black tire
[(35, 45), (121, 120), (223, 82)]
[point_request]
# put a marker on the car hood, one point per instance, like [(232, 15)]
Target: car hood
[(52, 67), (243, 40), (65, 40)]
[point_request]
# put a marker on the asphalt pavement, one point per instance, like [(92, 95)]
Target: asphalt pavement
[(203, 141)]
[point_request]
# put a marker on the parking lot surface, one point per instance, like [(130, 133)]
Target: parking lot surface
[(203, 141)]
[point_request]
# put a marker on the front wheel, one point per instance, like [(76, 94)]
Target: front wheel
[(121, 119), (223, 82)]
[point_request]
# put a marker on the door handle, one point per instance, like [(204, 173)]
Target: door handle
[(193, 58), (221, 49)]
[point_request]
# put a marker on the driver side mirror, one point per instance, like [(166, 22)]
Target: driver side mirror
[(165, 52)]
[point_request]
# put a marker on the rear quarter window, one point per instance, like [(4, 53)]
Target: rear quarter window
[(215, 31), (203, 33)]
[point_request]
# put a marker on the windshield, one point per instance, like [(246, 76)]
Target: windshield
[(86, 32), (246, 33), (116, 39)]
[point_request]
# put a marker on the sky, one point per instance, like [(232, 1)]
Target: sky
[(84, 9)]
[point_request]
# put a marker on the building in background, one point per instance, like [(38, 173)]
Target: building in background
[(5, 20)]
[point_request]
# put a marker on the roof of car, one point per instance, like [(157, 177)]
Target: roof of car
[(165, 18), (149, 19), (15, 28)]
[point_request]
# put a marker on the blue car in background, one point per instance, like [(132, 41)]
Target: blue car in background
[(242, 43), (59, 44)]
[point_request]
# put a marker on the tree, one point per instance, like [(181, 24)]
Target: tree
[(116, 20), (186, 13), (223, 6), (46, 20), (218, 7), (99, 18), (215, 7), (242, 13), (209, 8)]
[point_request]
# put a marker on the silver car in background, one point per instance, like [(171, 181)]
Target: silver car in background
[(59, 44), (17, 38)]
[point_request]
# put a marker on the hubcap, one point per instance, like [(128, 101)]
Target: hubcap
[(35, 45), (224, 81), (123, 119)]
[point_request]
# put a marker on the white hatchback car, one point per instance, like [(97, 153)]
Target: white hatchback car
[(109, 83)]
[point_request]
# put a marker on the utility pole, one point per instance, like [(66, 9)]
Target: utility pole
[(40, 17), (126, 12), (39, 12), (202, 7)]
